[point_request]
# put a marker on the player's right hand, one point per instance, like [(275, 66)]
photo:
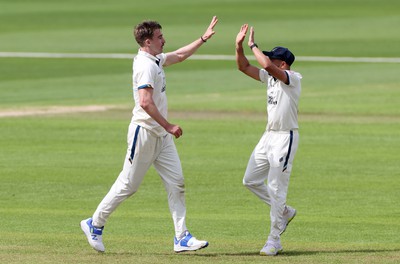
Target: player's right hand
[(175, 130), (242, 34)]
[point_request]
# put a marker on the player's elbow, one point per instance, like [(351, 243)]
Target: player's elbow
[(145, 104), (180, 56), (267, 65), (242, 67)]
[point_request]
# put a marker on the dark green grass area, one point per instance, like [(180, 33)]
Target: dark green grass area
[(311, 28), (57, 169)]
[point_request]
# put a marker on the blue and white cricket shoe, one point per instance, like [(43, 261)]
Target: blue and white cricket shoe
[(93, 234), (188, 243)]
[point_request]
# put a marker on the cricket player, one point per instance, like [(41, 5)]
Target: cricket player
[(269, 167), (150, 137)]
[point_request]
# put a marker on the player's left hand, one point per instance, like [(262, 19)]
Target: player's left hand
[(251, 37), (210, 30)]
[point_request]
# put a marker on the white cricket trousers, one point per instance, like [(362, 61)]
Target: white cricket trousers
[(145, 149), (268, 172)]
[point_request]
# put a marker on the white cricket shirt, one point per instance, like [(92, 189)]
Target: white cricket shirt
[(148, 72), (282, 101)]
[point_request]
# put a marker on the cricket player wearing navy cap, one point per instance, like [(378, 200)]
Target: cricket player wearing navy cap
[(269, 167), (150, 138)]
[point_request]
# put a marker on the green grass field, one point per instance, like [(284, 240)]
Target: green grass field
[(55, 168)]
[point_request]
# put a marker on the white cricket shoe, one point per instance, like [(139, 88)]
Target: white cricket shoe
[(288, 216), (271, 248), (188, 243), (93, 234)]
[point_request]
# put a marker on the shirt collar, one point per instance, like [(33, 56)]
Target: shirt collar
[(148, 55)]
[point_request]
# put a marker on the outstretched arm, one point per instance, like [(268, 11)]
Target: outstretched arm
[(185, 52), (265, 61), (241, 61)]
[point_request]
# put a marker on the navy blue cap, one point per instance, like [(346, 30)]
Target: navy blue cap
[(280, 53)]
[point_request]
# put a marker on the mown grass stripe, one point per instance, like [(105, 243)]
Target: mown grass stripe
[(193, 57)]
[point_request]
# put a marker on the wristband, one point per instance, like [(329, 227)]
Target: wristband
[(254, 45), (203, 39)]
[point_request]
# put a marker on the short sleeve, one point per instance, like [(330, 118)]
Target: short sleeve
[(145, 77), (294, 78), (264, 75)]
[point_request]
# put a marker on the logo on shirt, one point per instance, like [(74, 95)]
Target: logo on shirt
[(164, 88), (271, 100)]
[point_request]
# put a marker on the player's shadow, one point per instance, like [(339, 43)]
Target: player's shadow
[(345, 251), (294, 253)]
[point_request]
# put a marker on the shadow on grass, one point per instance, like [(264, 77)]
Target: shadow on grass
[(338, 251), (252, 254), (305, 252)]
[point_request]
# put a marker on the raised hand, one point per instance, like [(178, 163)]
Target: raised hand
[(242, 34), (251, 37), (210, 30)]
